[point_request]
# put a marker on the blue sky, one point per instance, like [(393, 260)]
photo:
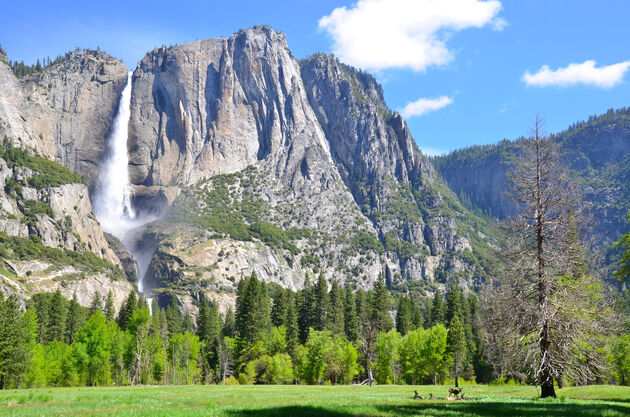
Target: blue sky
[(463, 62)]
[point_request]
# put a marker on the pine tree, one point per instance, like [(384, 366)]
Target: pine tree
[(436, 315), (212, 338), (293, 332), (240, 293), (142, 303), (127, 309), (351, 320), (156, 322), (320, 303), (417, 318), (456, 345), (253, 317), (306, 309), (41, 304), (187, 322), (57, 318), (381, 317), (74, 319), (335, 321), (229, 324), (454, 304), (18, 331), (404, 315), (202, 319), (174, 319), (163, 326), (97, 303), (280, 307), (110, 308)]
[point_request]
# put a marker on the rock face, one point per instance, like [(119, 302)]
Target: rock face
[(285, 169), (216, 106), (212, 108), (390, 179), (30, 277), (64, 112)]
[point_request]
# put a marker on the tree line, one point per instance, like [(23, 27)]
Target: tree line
[(324, 333), (20, 69)]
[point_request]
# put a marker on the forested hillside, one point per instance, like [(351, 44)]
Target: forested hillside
[(597, 153)]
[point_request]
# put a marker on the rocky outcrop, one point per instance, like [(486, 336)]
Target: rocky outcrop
[(127, 261), (481, 183), (64, 112), (15, 115), (60, 216), (24, 278)]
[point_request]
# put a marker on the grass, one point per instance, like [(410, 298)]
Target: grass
[(335, 401)]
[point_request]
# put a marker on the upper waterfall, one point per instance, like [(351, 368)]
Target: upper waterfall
[(113, 195)]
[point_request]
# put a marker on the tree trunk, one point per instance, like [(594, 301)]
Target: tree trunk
[(456, 375), (370, 378), (546, 375)]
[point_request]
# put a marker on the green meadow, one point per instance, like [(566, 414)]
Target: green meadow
[(304, 400)]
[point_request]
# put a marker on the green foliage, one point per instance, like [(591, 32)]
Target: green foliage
[(280, 369), (47, 172), (212, 206), (422, 353), (91, 350), (619, 357), (623, 266), (33, 208), (364, 242), (17, 337), (183, 350), (20, 69), (387, 368)]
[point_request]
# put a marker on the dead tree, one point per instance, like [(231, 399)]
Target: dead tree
[(552, 300), (368, 345)]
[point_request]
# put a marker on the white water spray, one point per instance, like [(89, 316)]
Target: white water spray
[(112, 202)]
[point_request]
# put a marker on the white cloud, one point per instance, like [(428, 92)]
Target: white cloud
[(499, 24), (379, 34), (425, 105), (584, 73)]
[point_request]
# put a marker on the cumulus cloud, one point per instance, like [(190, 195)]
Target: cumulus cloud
[(379, 34), (584, 73), (425, 105)]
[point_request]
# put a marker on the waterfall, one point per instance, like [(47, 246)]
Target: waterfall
[(112, 200)]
